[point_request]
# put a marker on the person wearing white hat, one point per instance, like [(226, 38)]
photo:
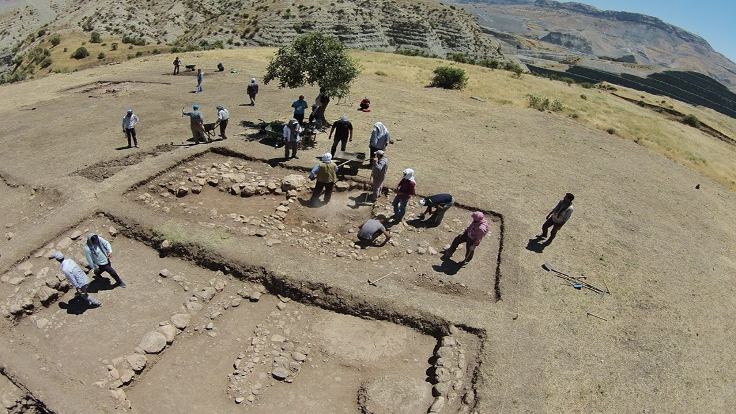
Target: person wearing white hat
[(437, 205), (292, 135), (325, 173), (378, 174), (252, 91), (77, 278), (404, 190), (343, 130), (130, 120), (223, 116)]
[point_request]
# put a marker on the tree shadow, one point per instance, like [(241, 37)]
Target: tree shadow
[(448, 267), (536, 245)]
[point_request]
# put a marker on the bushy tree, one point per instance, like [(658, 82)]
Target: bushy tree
[(314, 58), (80, 53), (449, 77), (55, 40)]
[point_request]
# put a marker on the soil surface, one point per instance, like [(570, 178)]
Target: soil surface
[(658, 235)]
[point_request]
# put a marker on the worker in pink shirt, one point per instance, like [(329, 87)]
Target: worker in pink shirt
[(472, 237)]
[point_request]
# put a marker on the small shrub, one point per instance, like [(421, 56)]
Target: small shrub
[(46, 62), (586, 85), (449, 77), (611, 131), (101, 56), (691, 120), (574, 116), (95, 38), (80, 53), (584, 97), (381, 73), (556, 106), (55, 40), (130, 46), (114, 46), (139, 53), (66, 50)]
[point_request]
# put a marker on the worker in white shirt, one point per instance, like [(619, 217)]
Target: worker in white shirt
[(223, 115), (130, 120), (77, 278), (292, 135)]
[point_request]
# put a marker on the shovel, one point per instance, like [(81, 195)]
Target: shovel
[(373, 282)]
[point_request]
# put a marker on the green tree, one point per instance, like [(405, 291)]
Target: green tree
[(80, 53), (449, 77), (312, 59), (95, 38), (55, 40)]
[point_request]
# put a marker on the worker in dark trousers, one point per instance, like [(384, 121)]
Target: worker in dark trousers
[(343, 130), (130, 120), (326, 175)]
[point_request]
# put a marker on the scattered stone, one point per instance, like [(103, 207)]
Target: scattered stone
[(194, 306), (75, 235), (255, 296), (164, 273), (181, 320), (239, 400), (206, 293), (166, 244), (42, 323), (169, 331), (298, 356), (126, 376), (113, 231), (9, 235), (197, 189), (277, 338), (281, 306), (280, 373), (293, 182), (46, 295), (272, 242), (210, 326), (235, 302), (342, 186), (153, 342), (136, 361), (182, 191), (431, 250)]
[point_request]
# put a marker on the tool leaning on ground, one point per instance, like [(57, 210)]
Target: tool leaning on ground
[(373, 282), (576, 282)]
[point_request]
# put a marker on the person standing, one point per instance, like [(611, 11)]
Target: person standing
[(292, 135), (77, 278), (223, 115), (378, 174), (404, 191), (196, 122), (98, 251), (130, 120), (472, 237), (380, 138), (200, 80), (326, 175), (300, 105), (343, 130), (252, 91), (177, 63), (369, 231), (437, 205), (557, 217)]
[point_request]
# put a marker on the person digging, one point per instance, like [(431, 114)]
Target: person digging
[(325, 174), (77, 278), (472, 236), (557, 218), (371, 230), (437, 205)]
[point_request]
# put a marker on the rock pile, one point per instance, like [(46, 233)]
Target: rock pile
[(449, 370)]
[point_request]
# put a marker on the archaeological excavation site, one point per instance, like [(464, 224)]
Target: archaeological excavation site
[(243, 297)]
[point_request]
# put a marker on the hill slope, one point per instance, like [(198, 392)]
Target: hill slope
[(584, 29), (424, 25)]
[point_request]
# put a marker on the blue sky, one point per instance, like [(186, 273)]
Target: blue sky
[(711, 19)]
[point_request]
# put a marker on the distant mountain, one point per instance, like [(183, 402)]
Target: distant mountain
[(425, 26), (612, 35)]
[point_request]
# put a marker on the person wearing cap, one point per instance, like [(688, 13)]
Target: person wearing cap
[(437, 205), (223, 115), (200, 80), (292, 135), (404, 190), (77, 278), (343, 130), (472, 237), (252, 91), (369, 231), (557, 217), (196, 122), (325, 173), (98, 251), (378, 174), (380, 138), (300, 105), (130, 120)]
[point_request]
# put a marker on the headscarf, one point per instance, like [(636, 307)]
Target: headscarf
[(253, 81), (380, 129), (195, 107), (58, 255), (380, 153), (409, 175), (93, 240), (220, 107), (327, 158), (130, 110), (478, 228), (344, 118)]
